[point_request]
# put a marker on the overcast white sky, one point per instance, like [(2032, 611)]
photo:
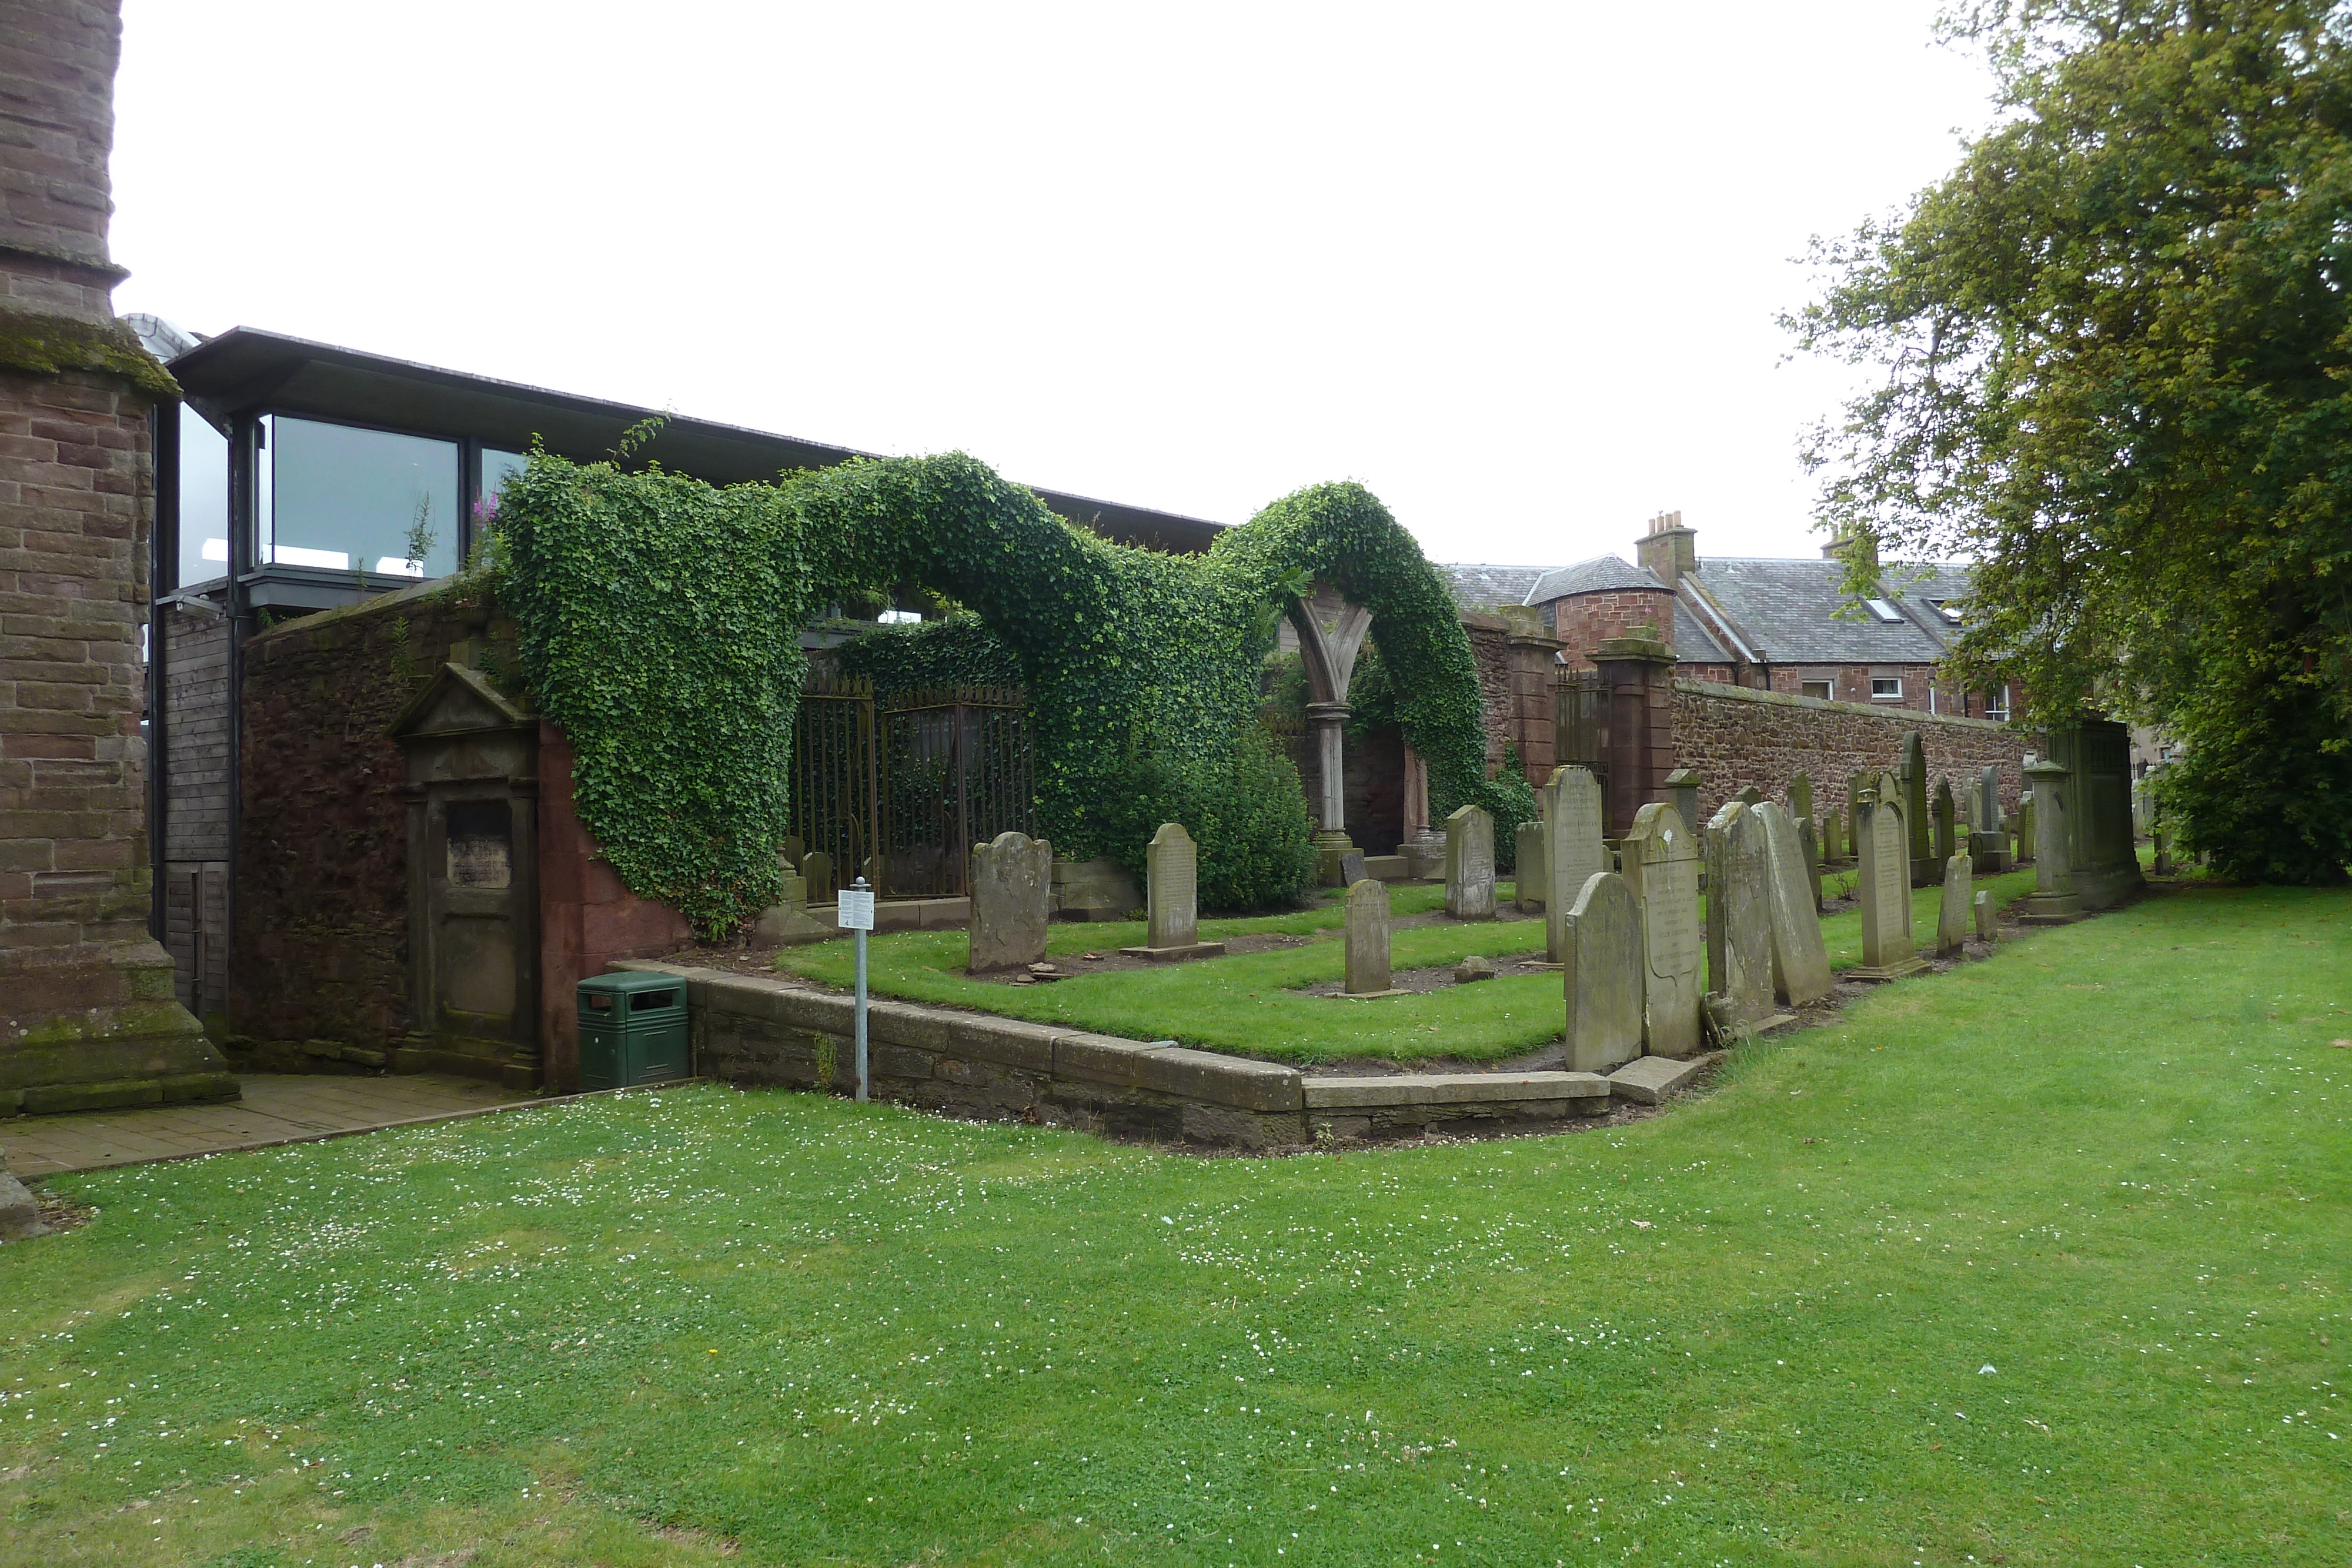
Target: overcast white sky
[(1513, 266)]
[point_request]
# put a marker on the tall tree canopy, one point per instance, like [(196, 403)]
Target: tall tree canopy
[(2115, 354)]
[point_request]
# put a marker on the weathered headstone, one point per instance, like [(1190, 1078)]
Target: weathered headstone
[(1884, 886), (1833, 838), (1573, 852), (1944, 813), (1682, 794), (1856, 783), (1740, 913), (1988, 818), (1368, 939), (1662, 860), (788, 919), (1601, 965), (2025, 824), (1470, 864), (1172, 899), (1957, 908), (1813, 855), (2052, 900), (2161, 837), (1925, 866), (817, 870), (1800, 796), (2102, 857), (1352, 867), (1988, 917), (1528, 874), (1801, 959), (1011, 888), (1749, 795)]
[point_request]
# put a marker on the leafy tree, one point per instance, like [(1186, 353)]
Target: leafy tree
[(2115, 341)]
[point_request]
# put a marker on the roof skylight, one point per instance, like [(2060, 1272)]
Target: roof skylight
[(1884, 611)]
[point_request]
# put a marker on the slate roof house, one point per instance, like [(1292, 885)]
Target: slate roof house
[(1783, 625)]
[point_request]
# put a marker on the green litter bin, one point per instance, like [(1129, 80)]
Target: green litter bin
[(632, 1031)]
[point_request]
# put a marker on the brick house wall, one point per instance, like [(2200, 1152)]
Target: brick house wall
[(1583, 620), (1736, 735), (1851, 683)]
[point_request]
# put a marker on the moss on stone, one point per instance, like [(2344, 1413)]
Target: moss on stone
[(51, 345)]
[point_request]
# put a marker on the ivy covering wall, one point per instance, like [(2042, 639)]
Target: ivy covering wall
[(659, 623)]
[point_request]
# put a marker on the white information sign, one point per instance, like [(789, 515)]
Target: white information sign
[(855, 911)]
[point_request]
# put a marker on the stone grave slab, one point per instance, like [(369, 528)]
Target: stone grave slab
[(1470, 864), (1368, 940), (1801, 958), (1661, 864), (1573, 851), (1740, 916), (1884, 886), (1988, 918), (1957, 909), (1651, 1079), (1600, 971), (1011, 888), (1530, 884), (1172, 898)]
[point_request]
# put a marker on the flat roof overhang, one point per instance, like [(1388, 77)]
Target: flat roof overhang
[(248, 370)]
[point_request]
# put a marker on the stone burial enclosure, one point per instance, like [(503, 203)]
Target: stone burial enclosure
[(751, 1030)]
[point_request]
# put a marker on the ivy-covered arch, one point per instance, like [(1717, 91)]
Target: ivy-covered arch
[(659, 625)]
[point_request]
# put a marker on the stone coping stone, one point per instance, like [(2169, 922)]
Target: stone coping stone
[(1876, 975), (1451, 1089), (1647, 1080), (1177, 955)]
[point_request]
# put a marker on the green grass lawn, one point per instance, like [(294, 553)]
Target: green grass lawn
[(1253, 1004), (2041, 1261)]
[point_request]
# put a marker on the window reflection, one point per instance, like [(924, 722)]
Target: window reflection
[(347, 500), (203, 499)]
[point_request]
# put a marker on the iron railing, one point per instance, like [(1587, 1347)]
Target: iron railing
[(836, 776), (957, 769)]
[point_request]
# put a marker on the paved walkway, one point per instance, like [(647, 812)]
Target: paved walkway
[(278, 1108)]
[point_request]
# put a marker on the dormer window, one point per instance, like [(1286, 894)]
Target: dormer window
[(1884, 612)]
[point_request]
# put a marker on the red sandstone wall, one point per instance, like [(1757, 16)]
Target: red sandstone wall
[(586, 918), (1737, 736), (320, 948), (1490, 648)]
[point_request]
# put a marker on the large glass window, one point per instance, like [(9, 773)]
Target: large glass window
[(360, 500), (498, 468), (203, 500)]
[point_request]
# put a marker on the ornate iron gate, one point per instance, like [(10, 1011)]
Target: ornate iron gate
[(956, 770), (835, 775)]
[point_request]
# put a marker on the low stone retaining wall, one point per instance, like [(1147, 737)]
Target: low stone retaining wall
[(750, 1030)]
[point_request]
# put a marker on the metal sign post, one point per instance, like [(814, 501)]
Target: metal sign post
[(856, 913)]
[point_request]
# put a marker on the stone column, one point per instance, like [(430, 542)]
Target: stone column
[(1330, 724), (1423, 847), (1638, 672), (87, 1011)]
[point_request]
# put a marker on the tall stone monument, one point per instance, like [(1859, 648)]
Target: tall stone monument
[(1957, 908), (88, 1015), (1883, 885), (1368, 940), (1172, 869), (1801, 958), (2102, 857), (1470, 864), (1739, 915), (1011, 888), (1600, 965), (2052, 900), (1662, 860), (1925, 867), (1573, 852)]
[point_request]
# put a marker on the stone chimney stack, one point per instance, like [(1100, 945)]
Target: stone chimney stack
[(87, 1012), (1669, 550)]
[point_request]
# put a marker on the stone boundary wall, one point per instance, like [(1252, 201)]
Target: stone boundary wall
[(751, 1030), (1736, 736)]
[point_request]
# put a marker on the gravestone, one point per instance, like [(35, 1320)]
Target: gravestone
[(2025, 823), (817, 870), (1833, 838), (1957, 907), (1172, 899), (2102, 857), (1988, 918), (1945, 814), (1801, 958), (1573, 852), (1813, 855), (2161, 837), (1662, 862), (1601, 965), (1925, 867), (1011, 889), (1470, 864), (1352, 867), (1856, 783), (1740, 916), (788, 919), (1749, 795), (1988, 818), (1527, 871), (1368, 940), (2052, 900), (1800, 796), (1682, 794), (1884, 886)]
